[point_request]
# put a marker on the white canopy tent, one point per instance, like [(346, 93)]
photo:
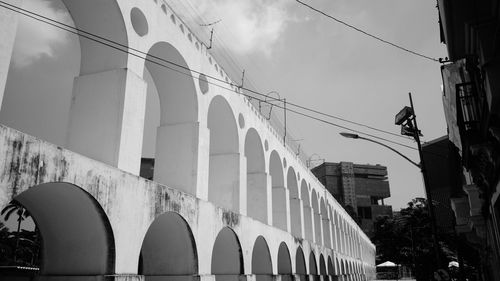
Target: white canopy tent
[(387, 264)]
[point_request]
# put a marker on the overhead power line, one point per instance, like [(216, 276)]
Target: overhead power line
[(155, 60), (365, 33)]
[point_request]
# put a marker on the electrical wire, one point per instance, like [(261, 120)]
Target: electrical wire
[(197, 14), (123, 48), (365, 33)]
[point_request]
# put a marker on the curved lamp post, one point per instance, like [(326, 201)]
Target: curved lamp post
[(407, 119), (355, 136)]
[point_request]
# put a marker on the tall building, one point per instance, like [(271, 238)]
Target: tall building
[(361, 189), (444, 180), (471, 99)]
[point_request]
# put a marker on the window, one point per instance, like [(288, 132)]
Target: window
[(365, 212)]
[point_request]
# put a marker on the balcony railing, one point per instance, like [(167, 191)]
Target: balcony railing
[(469, 107)]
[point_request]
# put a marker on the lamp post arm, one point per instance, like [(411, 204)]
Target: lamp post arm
[(386, 146)]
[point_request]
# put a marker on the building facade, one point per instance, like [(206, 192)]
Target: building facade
[(361, 189), (471, 99), (444, 179)]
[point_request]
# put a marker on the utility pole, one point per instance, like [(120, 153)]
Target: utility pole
[(408, 121)]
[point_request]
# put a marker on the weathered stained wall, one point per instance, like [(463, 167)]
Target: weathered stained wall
[(132, 203)]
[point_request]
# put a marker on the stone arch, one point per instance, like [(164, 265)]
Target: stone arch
[(284, 260), (107, 22), (174, 133), (322, 265), (224, 161), (317, 218), (306, 202), (261, 260), (331, 269), (344, 267), (313, 268), (256, 177), (103, 99), (48, 110), (227, 258), (338, 267), (300, 264), (278, 191), (34, 101), (65, 210), (325, 220), (168, 248), (295, 221)]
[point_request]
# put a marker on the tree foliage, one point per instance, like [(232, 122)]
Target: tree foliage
[(406, 239), (19, 246)]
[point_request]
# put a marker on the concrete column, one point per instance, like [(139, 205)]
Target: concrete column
[(327, 236), (341, 241), (308, 223), (280, 211), (224, 181), (317, 228), (242, 185), (257, 194), (203, 163), (176, 157), (269, 199), (336, 238), (106, 118), (8, 30), (295, 222)]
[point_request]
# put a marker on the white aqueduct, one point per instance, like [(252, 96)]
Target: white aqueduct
[(229, 200)]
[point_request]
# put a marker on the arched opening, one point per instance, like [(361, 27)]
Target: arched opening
[(344, 267), (168, 249), (256, 177), (322, 266), (278, 192), (325, 220), (331, 269), (43, 66), (306, 202), (317, 218), (300, 264), (313, 268), (224, 162), (76, 237), (295, 220), (70, 90), (227, 259), (261, 260), (170, 121), (284, 262), (338, 268)]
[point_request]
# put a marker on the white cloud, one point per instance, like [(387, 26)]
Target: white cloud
[(35, 39), (246, 26)]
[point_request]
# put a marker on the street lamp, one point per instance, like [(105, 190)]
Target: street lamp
[(407, 119), (355, 136)]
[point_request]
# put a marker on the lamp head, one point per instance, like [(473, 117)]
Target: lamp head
[(349, 135)]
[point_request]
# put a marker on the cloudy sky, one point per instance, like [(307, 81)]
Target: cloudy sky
[(285, 47)]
